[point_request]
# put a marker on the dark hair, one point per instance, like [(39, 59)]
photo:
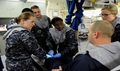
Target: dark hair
[(56, 19), (34, 7), (25, 16), (27, 10)]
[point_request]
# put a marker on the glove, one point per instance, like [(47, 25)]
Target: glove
[(51, 53), (58, 55), (48, 56)]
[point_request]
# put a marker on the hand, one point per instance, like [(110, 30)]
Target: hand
[(48, 56), (60, 69), (58, 55), (51, 53)]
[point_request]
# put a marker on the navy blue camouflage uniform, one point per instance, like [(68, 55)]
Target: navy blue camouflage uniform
[(20, 45), (41, 29)]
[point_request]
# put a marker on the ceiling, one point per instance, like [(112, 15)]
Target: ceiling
[(89, 1), (57, 0)]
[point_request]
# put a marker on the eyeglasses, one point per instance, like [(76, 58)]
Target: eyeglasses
[(105, 14)]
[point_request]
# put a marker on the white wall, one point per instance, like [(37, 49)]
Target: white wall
[(10, 8), (93, 14), (57, 6)]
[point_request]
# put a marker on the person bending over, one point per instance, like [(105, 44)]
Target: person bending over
[(61, 43), (21, 44)]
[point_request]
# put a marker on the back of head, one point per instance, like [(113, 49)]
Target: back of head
[(34, 7), (24, 15), (56, 19), (27, 10), (112, 8), (104, 27)]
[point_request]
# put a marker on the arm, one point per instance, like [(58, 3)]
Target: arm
[(50, 24), (60, 69), (71, 43), (10, 23), (116, 35), (32, 45), (50, 42), (1, 64), (34, 30)]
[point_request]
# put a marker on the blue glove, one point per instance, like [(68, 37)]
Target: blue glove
[(48, 56), (51, 53), (58, 55)]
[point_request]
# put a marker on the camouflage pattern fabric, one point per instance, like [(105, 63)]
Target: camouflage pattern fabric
[(19, 48)]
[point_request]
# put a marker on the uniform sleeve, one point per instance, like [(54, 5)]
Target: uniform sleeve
[(32, 45), (116, 35), (1, 64), (50, 42), (71, 43), (10, 23), (50, 24)]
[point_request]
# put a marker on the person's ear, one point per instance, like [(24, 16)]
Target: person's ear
[(22, 21), (96, 34), (60, 68), (115, 14)]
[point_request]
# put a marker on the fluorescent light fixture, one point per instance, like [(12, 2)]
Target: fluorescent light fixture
[(102, 2), (14, 0), (41, 1)]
